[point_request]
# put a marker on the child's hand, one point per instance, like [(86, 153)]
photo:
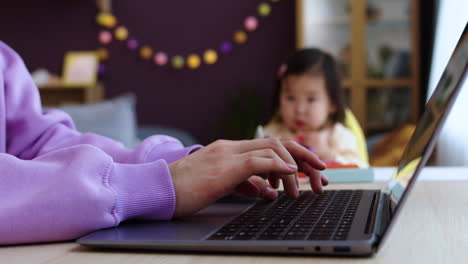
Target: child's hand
[(318, 140)]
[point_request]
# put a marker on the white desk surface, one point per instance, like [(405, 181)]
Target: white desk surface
[(432, 228)]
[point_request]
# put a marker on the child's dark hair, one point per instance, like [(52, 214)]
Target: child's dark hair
[(315, 61)]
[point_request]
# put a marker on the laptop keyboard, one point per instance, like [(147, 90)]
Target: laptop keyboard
[(311, 217)]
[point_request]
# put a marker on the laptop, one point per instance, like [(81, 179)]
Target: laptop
[(337, 222)]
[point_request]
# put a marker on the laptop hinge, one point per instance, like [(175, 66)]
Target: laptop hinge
[(372, 217), (384, 213)]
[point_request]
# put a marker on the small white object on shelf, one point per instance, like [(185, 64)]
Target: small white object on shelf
[(41, 77)]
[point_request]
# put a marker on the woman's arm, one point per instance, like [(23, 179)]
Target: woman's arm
[(69, 192), (58, 184)]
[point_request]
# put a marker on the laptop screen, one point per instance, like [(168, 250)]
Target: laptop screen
[(422, 141)]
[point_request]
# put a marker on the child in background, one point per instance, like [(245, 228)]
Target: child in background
[(310, 108)]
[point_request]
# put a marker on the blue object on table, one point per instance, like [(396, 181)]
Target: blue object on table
[(349, 175)]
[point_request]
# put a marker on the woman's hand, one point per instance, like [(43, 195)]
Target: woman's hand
[(224, 166)]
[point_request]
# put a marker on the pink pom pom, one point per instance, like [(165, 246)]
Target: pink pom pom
[(105, 37), (251, 23), (160, 58)]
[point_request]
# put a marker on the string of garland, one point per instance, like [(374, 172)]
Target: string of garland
[(111, 30)]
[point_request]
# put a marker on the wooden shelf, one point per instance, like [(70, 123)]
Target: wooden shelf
[(385, 83), (55, 95), (346, 83), (362, 50)]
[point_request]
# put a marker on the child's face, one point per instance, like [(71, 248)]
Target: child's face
[(304, 102)]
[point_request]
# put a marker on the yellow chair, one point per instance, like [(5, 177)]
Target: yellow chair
[(352, 123)]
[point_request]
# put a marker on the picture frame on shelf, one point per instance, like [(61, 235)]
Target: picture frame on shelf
[(80, 68)]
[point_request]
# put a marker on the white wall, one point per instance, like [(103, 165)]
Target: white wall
[(452, 147)]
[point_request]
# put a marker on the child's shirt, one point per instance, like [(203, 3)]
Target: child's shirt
[(58, 184), (340, 141)]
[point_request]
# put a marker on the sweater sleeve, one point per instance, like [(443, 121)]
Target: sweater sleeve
[(57, 184), (69, 192)]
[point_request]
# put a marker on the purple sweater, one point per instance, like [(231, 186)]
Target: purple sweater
[(58, 184)]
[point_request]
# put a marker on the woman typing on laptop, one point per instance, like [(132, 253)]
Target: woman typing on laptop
[(58, 184)]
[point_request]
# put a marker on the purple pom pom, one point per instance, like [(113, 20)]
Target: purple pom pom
[(226, 47), (101, 68), (132, 44)]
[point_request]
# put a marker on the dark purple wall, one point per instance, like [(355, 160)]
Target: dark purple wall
[(193, 100)]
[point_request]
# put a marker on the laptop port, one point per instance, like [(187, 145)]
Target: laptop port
[(295, 249), (342, 249)]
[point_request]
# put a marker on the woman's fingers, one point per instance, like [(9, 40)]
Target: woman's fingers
[(309, 163), (291, 185), (259, 165), (274, 181), (256, 186), (324, 180), (315, 177), (286, 150), (301, 153), (267, 155), (248, 188), (266, 143)]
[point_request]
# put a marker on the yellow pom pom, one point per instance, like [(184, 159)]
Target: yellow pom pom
[(264, 9), (121, 33), (146, 52), (193, 61), (210, 56), (106, 20), (103, 54), (178, 62), (240, 37)]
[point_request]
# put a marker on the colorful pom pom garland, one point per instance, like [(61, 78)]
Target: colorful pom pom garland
[(111, 30)]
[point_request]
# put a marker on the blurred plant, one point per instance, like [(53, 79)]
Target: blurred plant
[(247, 111), (384, 54), (372, 13)]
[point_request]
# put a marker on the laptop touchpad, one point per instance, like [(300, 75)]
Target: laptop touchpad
[(193, 227)]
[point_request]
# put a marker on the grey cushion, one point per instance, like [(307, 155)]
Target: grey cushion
[(185, 138), (113, 118)]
